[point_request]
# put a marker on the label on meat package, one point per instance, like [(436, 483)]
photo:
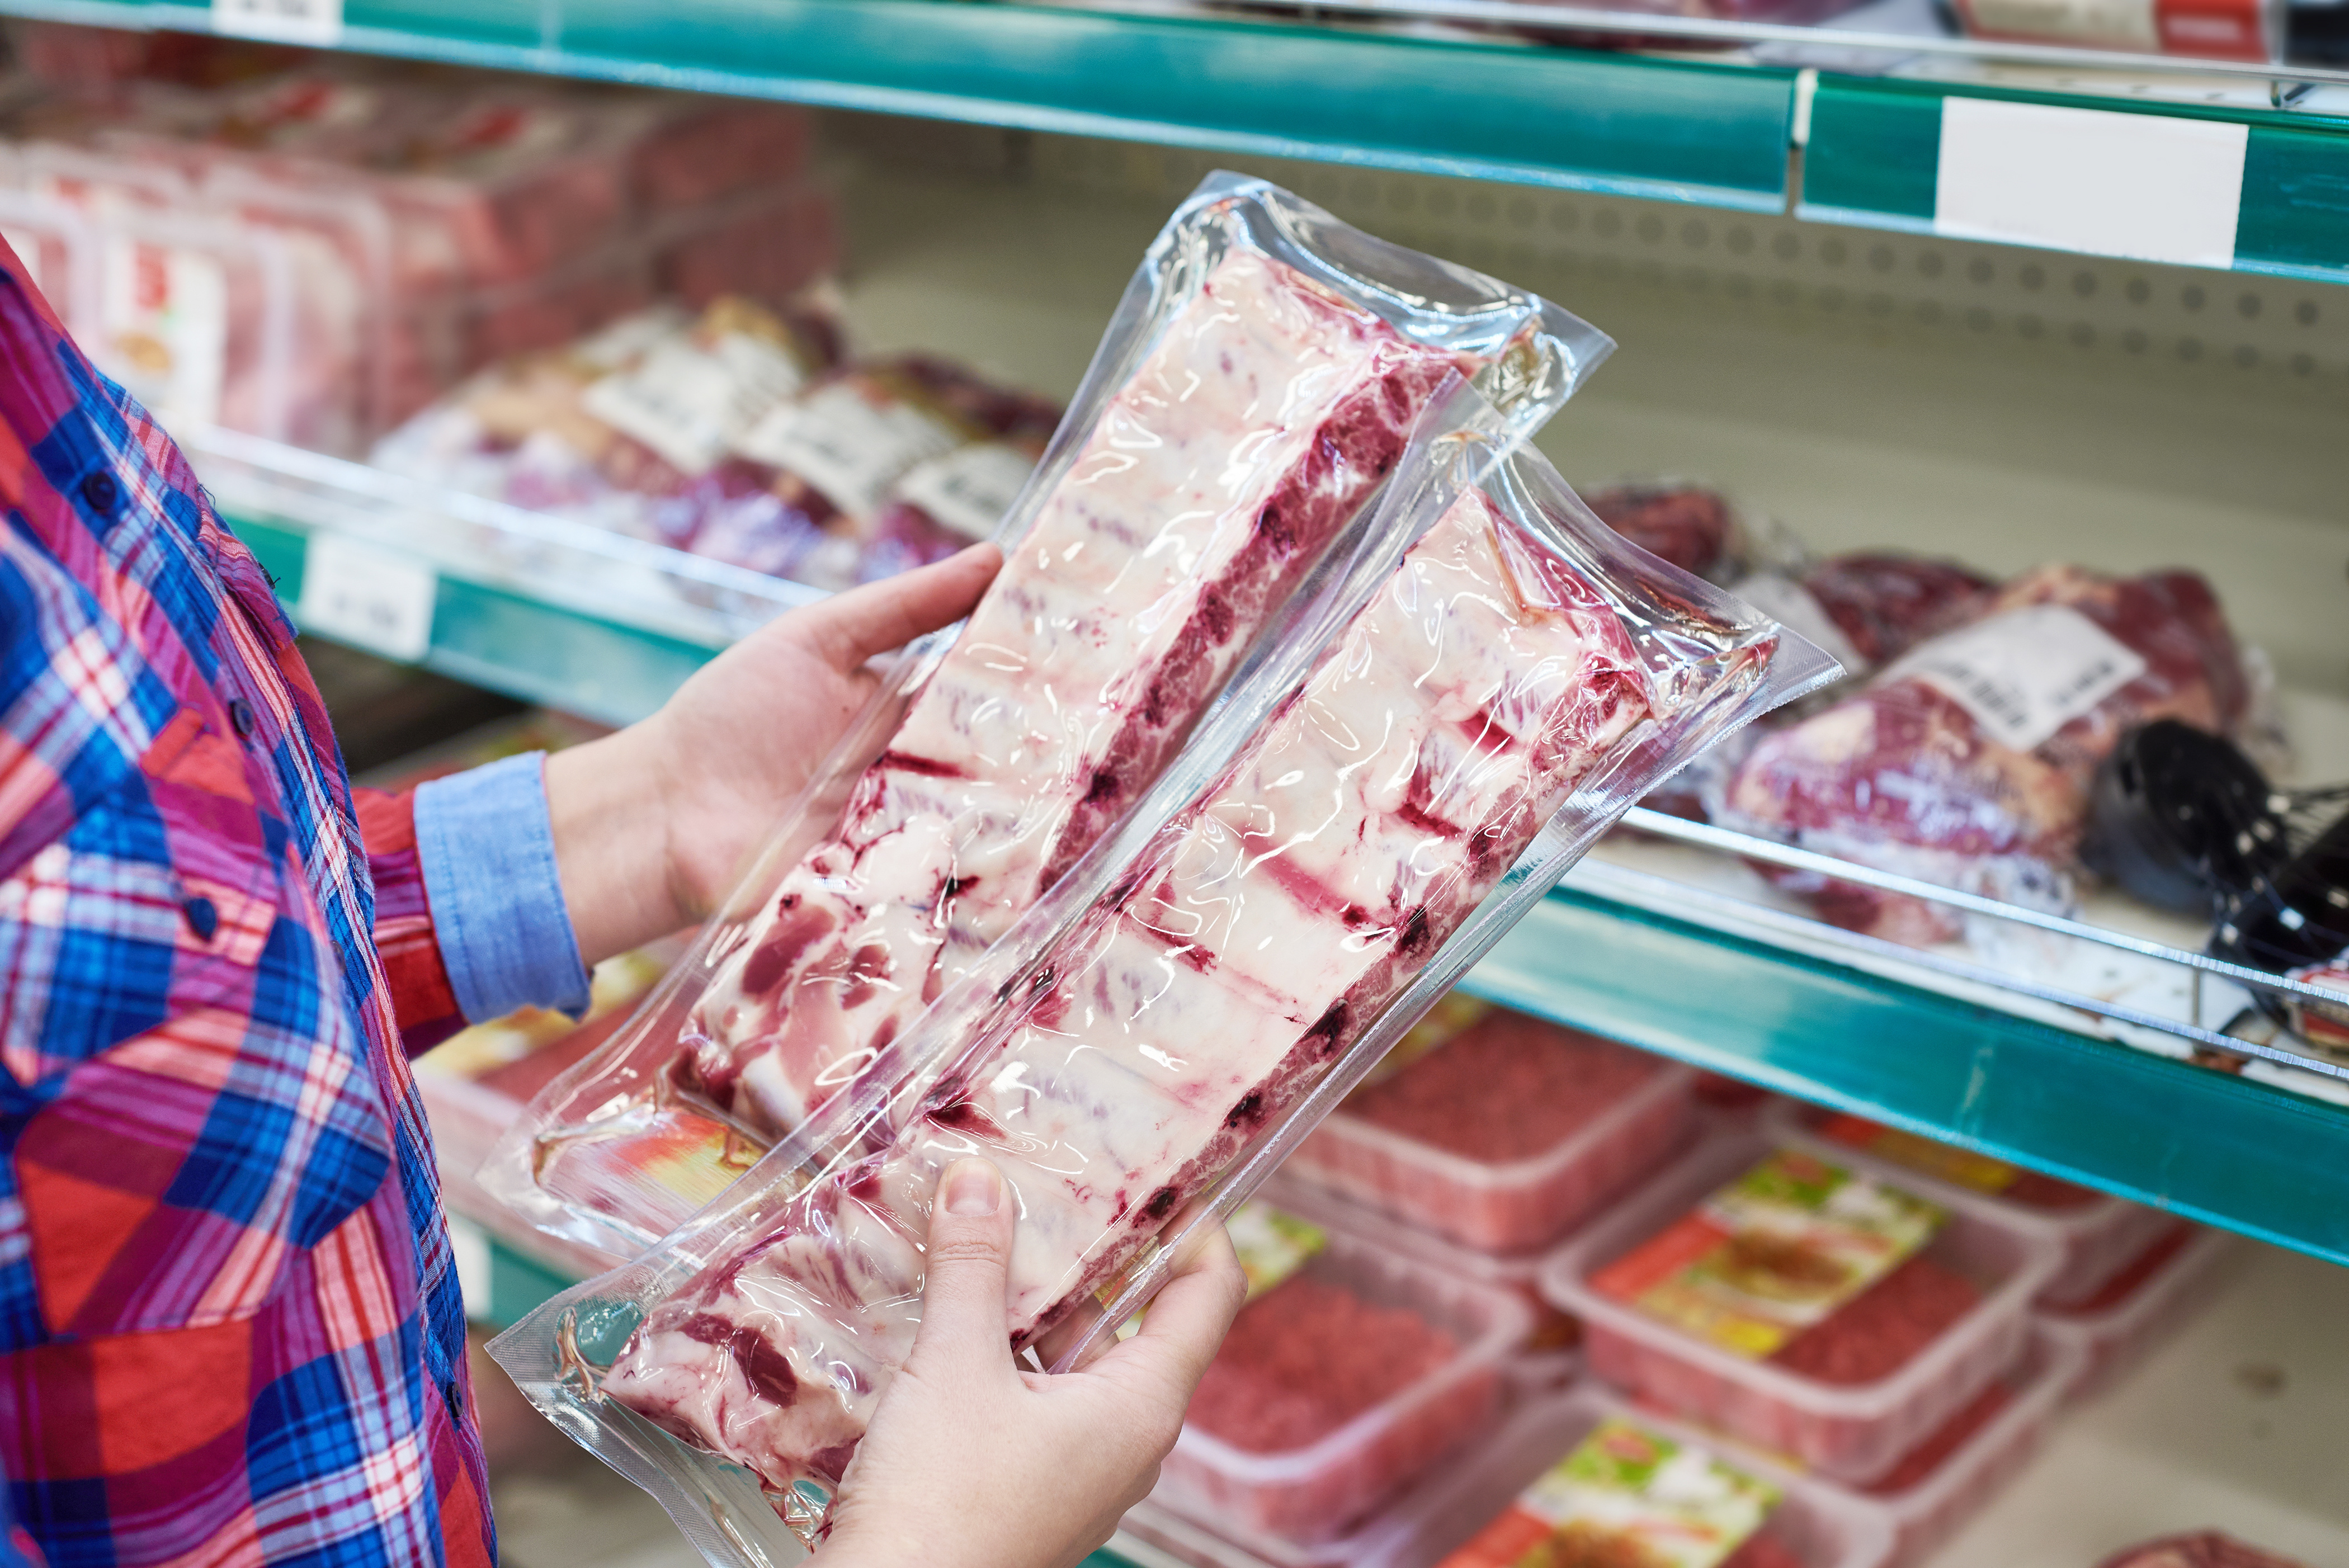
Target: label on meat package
[(1626, 1495), (163, 327), (1960, 1167), (1792, 605), (319, 23), (1775, 1253), (2026, 674), (970, 489), (2114, 24), (851, 441), (691, 400)]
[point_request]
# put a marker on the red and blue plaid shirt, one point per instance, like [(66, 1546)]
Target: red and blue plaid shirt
[(230, 1326)]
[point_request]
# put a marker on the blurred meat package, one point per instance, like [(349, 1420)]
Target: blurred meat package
[(1967, 762), (314, 253)]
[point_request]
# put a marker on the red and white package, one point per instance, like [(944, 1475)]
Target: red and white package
[(1968, 761)]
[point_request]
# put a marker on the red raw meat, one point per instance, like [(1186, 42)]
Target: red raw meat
[(1508, 1088), (996, 783), (1209, 989), (1684, 524), (1903, 777), (1880, 1330), (1306, 1357), (1887, 603)]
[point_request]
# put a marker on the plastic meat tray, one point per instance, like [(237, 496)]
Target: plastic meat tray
[(1854, 1431), (1925, 1512), (2114, 1331), (1515, 1206), (1312, 1493), (1822, 1526), (2094, 1237)]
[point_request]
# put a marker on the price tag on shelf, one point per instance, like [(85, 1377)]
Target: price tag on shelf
[(2147, 187), (368, 597), (315, 22)]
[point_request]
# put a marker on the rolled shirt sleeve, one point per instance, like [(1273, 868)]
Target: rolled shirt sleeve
[(487, 846)]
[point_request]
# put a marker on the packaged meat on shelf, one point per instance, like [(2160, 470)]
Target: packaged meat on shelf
[(1499, 1130), (396, 228), (1803, 1307), (981, 784), (2096, 1234), (1548, 1356), (2157, 1290), (1339, 1385), (1578, 1471)]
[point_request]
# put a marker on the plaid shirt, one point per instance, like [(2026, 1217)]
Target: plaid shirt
[(230, 1327)]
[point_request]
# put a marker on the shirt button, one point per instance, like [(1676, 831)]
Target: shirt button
[(203, 917), (455, 1401), (100, 490), (240, 714)]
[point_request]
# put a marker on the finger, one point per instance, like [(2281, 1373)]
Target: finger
[(1190, 1315), (968, 1269), (1055, 1341), (850, 627)]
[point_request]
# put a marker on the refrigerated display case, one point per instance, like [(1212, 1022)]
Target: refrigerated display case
[(1849, 294)]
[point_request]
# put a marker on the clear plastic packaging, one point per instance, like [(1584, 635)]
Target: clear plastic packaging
[(1852, 1431), (2158, 1289), (1636, 1114), (1257, 386), (1968, 761), (1819, 1526), (2095, 1234), (1548, 1357), (1936, 1490), (1310, 1494), (1472, 719)]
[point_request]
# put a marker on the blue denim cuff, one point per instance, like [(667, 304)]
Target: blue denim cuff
[(488, 850)]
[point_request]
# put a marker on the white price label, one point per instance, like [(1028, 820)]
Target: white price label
[(2026, 674), (2150, 186), (968, 491), (371, 598), (848, 445), (688, 401), (316, 21)]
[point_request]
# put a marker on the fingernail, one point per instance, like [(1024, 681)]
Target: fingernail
[(973, 1188)]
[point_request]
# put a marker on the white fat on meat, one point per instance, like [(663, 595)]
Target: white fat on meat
[(1307, 885)]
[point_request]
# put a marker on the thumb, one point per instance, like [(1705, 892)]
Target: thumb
[(850, 627), (968, 1269)]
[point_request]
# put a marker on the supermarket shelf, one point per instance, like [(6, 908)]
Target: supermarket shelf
[(2220, 1148), (1874, 151), (1675, 129), (546, 610)]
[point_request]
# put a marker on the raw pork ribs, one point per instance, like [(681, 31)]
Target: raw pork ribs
[(1269, 922), (1268, 412)]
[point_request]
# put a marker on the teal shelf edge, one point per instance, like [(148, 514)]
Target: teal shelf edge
[(1673, 129), (2209, 1145), (1875, 148), (540, 653)]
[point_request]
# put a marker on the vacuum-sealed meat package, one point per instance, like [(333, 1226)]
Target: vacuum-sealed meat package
[(1968, 761), (1259, 382), (1488, 690)]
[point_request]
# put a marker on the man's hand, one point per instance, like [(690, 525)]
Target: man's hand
[(972, 1461), (654, 825)]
